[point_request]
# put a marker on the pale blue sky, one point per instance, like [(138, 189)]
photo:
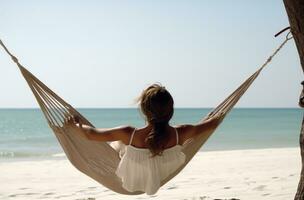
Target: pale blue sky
[(104, 53)]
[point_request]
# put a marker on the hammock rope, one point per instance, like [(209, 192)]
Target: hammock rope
[(224, 106), (99, 160)]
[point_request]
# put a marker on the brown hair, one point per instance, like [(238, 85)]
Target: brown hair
[(156, 103)]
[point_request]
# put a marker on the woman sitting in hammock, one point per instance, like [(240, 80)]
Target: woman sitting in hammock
[(154, 151)]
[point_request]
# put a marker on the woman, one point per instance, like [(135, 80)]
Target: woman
[(154, 151)]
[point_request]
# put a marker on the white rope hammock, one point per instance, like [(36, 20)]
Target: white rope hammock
[(99, 160)]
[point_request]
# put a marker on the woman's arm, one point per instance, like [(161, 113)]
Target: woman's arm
[(190, 131), (121, 133), (107, 135)]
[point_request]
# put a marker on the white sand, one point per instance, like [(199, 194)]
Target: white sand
[(242, 174)]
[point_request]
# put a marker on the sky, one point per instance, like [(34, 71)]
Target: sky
[(102, 54)]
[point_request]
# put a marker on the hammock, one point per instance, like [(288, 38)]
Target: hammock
[(99, 160)]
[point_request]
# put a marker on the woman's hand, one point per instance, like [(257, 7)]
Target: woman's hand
[(73, 120)]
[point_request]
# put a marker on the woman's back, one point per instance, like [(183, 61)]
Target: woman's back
[(141, 171), (138, 136)]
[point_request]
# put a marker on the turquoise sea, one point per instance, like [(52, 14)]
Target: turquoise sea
[(24, 133)]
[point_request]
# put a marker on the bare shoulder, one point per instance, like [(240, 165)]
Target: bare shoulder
[(184, 127), (184, 132), (126, 129), (187, 131), (126, 132)]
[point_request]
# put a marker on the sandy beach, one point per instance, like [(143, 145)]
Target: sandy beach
[(238, 174)]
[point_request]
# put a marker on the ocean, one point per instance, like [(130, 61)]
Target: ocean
[(24, 133)]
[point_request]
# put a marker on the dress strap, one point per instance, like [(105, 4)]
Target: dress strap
[(176, 136), (130, 142)]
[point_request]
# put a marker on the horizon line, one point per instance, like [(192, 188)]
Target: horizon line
[(2, 108)]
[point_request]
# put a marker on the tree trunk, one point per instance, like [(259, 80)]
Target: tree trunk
[(295, 12)]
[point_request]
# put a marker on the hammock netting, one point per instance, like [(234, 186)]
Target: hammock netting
[(99, 160)]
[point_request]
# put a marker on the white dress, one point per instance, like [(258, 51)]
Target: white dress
[(141, 172)]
